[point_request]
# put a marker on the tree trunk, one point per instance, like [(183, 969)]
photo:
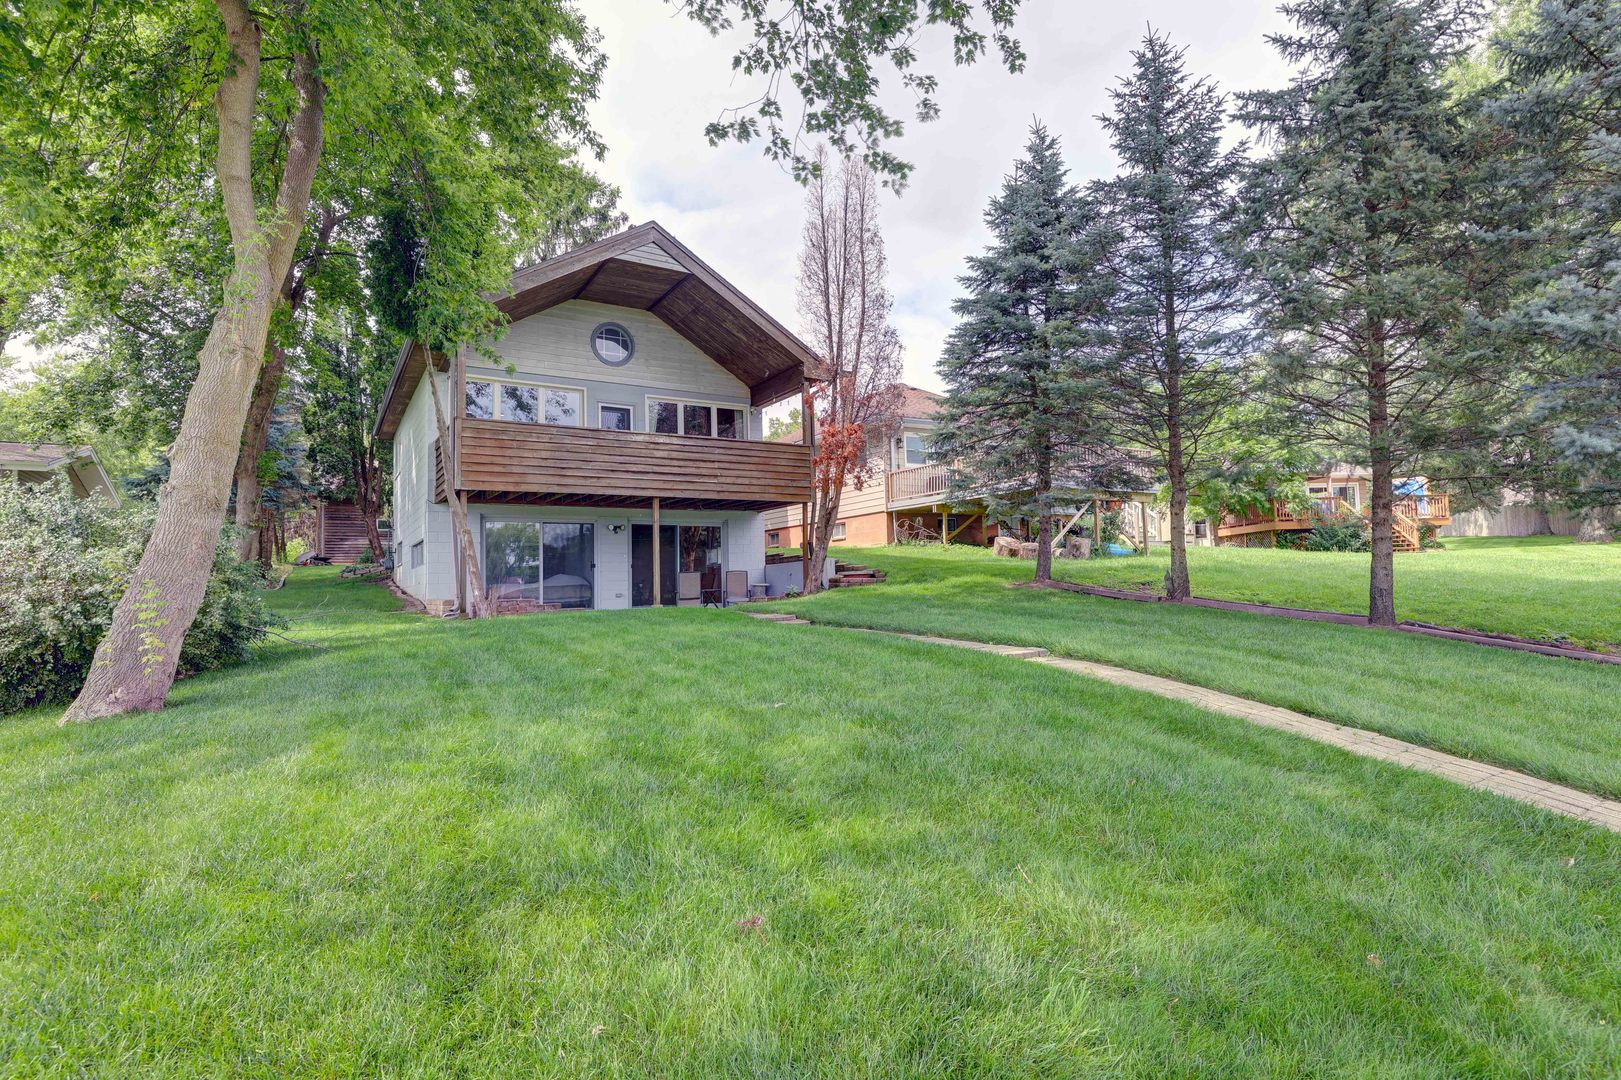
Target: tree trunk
[(1044, 519), (1595, 526), (1382, 571), (1382, 487), (256, 431), (255, 437), (135, 662), (366, 491), (1541, 523), (1177, 585), (478, 606)]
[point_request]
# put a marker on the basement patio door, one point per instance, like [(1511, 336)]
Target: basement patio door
[(550, 562)]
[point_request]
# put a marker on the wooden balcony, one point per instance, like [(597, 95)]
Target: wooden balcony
[(917, 484), (1431, 509), (502, 461)]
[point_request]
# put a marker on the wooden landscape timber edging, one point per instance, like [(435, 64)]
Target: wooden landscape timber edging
[(1473, 637)]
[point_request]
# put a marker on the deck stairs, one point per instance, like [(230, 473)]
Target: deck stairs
[(851, 575), (343, 532)]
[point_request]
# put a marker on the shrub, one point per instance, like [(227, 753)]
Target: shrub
[(296, 547), (64, 563), (1339, 534)]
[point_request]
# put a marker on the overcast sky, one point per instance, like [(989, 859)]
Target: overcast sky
[(667, 78)]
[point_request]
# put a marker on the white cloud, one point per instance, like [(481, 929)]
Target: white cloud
[(667, 78)]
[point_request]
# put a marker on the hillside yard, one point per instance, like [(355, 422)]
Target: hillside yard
[(686, 843), (1559, 719), (1537, 587)]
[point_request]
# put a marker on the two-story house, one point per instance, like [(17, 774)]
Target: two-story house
[(904, 495), (609, 450), (868, 515)]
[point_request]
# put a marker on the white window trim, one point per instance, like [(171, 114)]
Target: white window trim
[(906, 460), (616, 405), (585, 399), (681, 417), (539, 523)]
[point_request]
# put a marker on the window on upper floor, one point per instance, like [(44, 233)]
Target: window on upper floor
[(524, 404), (614, 417), (917, 453), (697, 418), (612, 344), (520, 403)]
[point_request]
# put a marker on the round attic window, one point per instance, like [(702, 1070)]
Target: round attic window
[(612, 344)]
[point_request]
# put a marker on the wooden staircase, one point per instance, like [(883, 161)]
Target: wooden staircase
[(1404, 535), (852, 575), (342, 532)]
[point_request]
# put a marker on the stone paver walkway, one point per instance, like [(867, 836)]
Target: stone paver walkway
[(1506, 782)]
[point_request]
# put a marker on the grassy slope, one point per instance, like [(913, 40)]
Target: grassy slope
[(1540, 587), (1556, 718), (521, 848)]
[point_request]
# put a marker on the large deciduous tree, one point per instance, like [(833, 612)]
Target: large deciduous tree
[(126, 97), (844, 307), (1560, 99), (1024, 367), (1178, 320), (830, 52), (1360, 236)]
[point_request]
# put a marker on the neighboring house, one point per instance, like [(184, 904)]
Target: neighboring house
[(37, 463), (1339, 491), (904, 495), (610, 452), (866, 516)]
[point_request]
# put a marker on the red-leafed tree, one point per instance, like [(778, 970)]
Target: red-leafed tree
[(844, 306)]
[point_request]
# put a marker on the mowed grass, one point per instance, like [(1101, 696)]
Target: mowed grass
[(524, 847), (1555, 718), (1542, 587)]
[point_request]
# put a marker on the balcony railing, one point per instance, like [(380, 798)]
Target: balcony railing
[(917, 482), (592, 466), (1435, 507)]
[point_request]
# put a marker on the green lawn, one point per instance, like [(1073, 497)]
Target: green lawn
[(522, 848), (1560, 719), (1538, 587)]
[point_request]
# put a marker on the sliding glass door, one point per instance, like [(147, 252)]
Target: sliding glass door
[(687, 555), (550, 563), (568, 560)]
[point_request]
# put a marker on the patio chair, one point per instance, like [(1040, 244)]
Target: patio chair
[(709, 592), (688, 589), (737, 586)]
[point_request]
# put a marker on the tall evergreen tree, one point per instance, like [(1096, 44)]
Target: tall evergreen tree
[(1562, 103), (1178, 322), (1360, 236), (1023, 368)]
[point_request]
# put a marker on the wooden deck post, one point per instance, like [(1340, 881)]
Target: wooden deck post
[(807, 424), (658, 561), (1144, 509), (1097, 527)]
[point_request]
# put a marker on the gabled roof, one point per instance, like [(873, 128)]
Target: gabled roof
[(920, 404), (645, 267), (80, 462)]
